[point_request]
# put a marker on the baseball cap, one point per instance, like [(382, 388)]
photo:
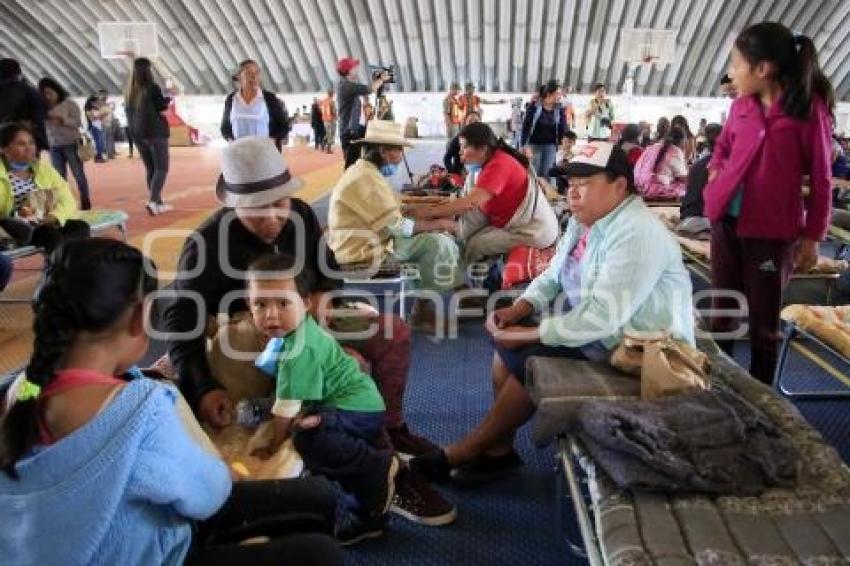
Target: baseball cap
[(344, 65), (600, 157)]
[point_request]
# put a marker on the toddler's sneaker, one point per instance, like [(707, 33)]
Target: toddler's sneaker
[(417, 501), (371, 523)]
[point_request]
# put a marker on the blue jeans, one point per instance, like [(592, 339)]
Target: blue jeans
[(344, 448), (64, 156), (543, 158), (99, 143)]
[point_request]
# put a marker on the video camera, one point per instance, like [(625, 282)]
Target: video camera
[(375, 71)]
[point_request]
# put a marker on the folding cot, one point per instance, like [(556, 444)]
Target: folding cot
[(806, 524)]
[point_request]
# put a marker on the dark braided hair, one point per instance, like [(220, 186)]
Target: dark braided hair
[(481, 135), (88, 285), (675, 137)]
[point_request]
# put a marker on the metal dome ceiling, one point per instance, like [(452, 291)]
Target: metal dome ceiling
[(500, 45)]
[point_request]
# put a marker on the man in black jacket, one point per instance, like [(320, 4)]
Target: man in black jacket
[(21, 102), (261, 216)]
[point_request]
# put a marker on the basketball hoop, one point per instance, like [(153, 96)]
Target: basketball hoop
[(119, 40), (647, 46)]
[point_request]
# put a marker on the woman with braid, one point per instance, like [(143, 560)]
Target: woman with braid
[(96, 466)]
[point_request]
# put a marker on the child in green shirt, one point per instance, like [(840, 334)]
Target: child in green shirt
[(333, 410)]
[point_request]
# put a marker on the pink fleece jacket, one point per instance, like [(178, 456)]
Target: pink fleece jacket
[(767, 154)]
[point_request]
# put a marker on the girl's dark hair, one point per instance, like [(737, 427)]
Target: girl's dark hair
[(87, 286), (53, 85), (797, 68), (675, 137), (10, 130), (548, 88), (662, 128), (631, 134), (481, 135), (140, 80), (681, 122)]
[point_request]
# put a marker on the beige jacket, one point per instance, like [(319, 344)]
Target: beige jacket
[(362, 207)]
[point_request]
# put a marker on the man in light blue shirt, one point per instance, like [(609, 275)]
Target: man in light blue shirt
[(617, 268)]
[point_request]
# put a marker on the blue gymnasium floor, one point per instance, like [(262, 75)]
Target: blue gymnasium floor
[(512, 522)]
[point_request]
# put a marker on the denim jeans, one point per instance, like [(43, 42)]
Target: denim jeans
[(543, 158), (99, 142), (154, 152), (344, 447), (64, 156)]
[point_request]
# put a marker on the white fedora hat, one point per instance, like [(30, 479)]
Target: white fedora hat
[(384, 132), (253, 173)]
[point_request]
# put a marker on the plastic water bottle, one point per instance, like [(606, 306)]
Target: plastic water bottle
[(251, 412)]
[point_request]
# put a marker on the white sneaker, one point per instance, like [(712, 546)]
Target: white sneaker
[(164, 207), (152, 208)]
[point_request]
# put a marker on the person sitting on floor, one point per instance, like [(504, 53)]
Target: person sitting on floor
[(630, 143), (618, 268), (452, 159), (502, 206), (568, 145), (661, 171), (323, 400), (97, 465), (366, 223), (36, 204), (260, 214), (693, 204)]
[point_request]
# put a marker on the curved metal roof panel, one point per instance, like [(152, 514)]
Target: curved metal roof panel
[(501, 45)]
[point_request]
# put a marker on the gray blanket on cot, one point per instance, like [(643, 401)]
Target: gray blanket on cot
[(711, 442)]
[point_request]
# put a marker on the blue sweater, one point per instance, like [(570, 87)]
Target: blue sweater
[(120, 490)]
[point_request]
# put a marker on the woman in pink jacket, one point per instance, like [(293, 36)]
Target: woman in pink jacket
[(762, 226)]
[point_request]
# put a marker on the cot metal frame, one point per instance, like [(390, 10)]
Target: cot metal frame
[(569, 480), (791, 339), (120, 224)]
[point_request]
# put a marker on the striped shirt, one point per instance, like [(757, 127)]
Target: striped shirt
[(21, 188)]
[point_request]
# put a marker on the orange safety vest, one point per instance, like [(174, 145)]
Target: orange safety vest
[(455, 113), (328, 110), (469, 103)]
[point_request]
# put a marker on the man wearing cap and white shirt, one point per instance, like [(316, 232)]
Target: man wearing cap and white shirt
[(617, 266), (348, 93), (260, 216)]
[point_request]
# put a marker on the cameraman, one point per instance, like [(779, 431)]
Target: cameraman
[(600, 116), (348, 103)]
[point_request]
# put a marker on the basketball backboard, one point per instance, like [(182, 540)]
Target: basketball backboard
[(648, 46), (127, 39)]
